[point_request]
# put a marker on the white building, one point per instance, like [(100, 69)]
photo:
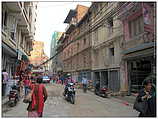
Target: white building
[(18, 31)]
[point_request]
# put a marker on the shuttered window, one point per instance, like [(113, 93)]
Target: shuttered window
[(136, 26)]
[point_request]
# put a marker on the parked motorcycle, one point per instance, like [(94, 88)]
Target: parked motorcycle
[(14, 95), (103, 92), (70, 93)]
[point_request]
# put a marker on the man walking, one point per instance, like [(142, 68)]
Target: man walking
[(84, 83), (6, 85)]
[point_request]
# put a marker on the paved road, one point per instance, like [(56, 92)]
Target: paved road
[(87, 105)]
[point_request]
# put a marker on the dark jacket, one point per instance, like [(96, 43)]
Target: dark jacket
[(151, 110)]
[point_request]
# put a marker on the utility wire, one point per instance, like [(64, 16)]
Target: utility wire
[(115, 14)]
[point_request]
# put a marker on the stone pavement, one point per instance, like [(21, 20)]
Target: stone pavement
[(87, 105), (4, 100)]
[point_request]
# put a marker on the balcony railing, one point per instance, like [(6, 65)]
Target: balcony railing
[(126, 9), (112, 34), (9, 34), (139, 39)]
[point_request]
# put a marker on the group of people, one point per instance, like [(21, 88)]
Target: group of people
[(35, 108), (27, 84), (39, 95), (61, 79)]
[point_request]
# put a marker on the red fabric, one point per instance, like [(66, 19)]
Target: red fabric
[(33, 97), (26, 82), (33, 114), (41, 99)]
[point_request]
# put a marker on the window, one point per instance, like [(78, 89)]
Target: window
[(136, 26), (96, 36), (110, 22), (84, 41), (21, 44), (84, 60), (5, 19), (77, 46), (110, 25), (111, 51)]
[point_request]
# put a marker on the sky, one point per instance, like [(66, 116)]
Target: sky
[(50, 18)]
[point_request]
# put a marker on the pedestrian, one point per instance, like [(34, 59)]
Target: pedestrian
[(26, 84), (62, 79), (21, 83), (39, 96), (147, 96), (84, 83), (6, 85), (3, 86)]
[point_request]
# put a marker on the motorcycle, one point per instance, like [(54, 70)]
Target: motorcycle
[(14, 96), (103, 92), (70, 93)]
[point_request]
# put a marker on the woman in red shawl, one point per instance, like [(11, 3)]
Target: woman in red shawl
[(39, 96)]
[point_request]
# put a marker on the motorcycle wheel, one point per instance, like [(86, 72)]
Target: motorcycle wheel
[(12, 104), (104, 95), (72, 99)]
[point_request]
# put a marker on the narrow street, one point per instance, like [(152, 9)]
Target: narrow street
[(87, 105)]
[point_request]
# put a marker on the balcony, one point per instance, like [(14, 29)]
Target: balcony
[(138, 40), (14, 6), (128, 8), (115, 32), (7, 37), (70, 28), (23, 17)]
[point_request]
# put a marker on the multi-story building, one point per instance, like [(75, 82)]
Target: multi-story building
[(37, 55), (59, 56), (106, 35), (113, 42), (74, 54), (55, 37), (18, 32), (139, 43)]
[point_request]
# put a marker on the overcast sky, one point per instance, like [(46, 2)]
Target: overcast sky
[(50, 18)]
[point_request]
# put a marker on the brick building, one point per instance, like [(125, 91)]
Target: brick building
[(113, 42), (73, 54)]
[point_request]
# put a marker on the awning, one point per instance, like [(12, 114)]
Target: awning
[(22, 56), (8, 50), (140, 47), (140, 54)]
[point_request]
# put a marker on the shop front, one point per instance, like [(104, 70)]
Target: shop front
[(9, 57), (140, 64), (109, 78)]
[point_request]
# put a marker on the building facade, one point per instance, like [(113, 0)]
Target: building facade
[(18, 32), (73, 52), (139, 43), (105, 33), (55, 37), (113, 42), (37, 55)]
